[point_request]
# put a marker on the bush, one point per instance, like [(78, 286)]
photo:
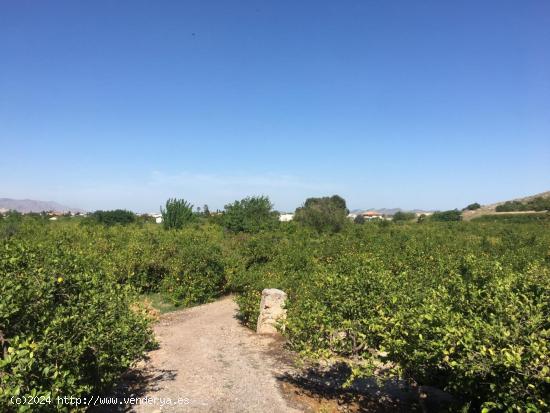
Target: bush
[(472, 207), (10, 223), (251, 214), (446, 216), (196, 273), (515, 218), (510, 206), (326, 214), (177, 214), (58, 314), (462, 307), (117, 216), (359, 219), (535, 204), (403, 216)]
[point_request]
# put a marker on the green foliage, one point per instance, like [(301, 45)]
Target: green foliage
[(403, 216), (514, 218), (13, 216), (326, 214), (197, 274), (251, 214), (68, 327), (536, 204), (446, 216), (359, 219), (462, 306), (144, 219), (177, 214), (117, 216), (10, 224), (472, 207)]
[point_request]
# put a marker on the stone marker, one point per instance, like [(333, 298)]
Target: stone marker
[(271, 311)]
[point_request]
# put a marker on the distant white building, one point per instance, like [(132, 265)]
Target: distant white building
[(286, 217), (157, 217)]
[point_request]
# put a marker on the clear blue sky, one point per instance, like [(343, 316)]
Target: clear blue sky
[(412, 104)]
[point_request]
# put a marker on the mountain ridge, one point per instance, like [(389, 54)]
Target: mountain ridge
[(32, 205)]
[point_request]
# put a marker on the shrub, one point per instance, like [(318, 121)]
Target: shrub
[(472, 207), (403, 216), (446, 216), (59, 313), (177, 214), (117, 216), (515, 218), (326, 214), (462, 307), (510, 206), (197, 273), (251, 214), (535, 204), (10, 223)]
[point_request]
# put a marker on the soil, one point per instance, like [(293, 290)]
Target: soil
[(208, 362)]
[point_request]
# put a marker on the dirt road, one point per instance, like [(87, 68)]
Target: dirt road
[(208, 362)]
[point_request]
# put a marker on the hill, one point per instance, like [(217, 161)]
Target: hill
[(491, 208), (30, 205)]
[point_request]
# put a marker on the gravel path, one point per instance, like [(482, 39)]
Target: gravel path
[(211, 363)]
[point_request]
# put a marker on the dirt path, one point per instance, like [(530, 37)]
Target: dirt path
[(208, 359)]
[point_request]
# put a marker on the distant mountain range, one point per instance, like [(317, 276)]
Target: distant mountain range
[(31, 205), (389, 211)]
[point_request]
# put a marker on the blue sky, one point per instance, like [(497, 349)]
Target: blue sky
[(424, 104)]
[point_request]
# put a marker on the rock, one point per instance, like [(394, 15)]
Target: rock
[(271, 311)]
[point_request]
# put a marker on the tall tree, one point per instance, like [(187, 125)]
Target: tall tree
[(325, 214), (177, 214), (251, 214)]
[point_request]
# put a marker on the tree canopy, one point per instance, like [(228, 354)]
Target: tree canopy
[(177, 214), (117, 216), (325, 214), (251, 214), (444, 216), (472, 207), (403, 216)]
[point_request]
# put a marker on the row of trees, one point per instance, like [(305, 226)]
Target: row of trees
[(438, 216), (255, 213)]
